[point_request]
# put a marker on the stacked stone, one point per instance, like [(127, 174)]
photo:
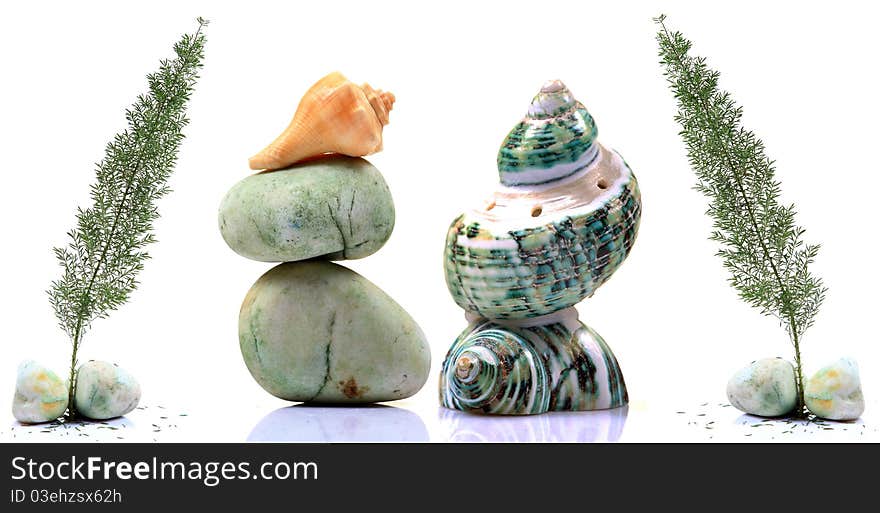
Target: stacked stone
[(563, 219), (309, 329)]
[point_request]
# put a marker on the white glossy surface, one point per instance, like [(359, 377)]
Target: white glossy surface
[(596, 426), (276, 421), (575, 195), (306, 423)]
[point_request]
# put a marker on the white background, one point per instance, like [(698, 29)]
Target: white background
[(463, 74)]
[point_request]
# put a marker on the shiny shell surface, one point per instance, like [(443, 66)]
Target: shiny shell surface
[(504, 369), (562, 220), (532, 252)]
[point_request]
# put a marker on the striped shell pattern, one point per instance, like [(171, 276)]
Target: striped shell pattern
[(503, 369), (562, 221)]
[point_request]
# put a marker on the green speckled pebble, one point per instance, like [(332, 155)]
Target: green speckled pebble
[(766, 387), (316, 331), (104, 391), (40, 395), (335, 207)]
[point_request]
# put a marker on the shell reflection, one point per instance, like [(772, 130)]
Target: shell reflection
[(594, 426), (372, 423)]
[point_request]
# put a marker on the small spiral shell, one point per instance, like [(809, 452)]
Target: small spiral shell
[(523, 370), (334, 116)]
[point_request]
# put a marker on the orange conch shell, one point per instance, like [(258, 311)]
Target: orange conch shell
[(334, 116)]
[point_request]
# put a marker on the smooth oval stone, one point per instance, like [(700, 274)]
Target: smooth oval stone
[(335, 207), (835, 392), (766, 387), (40, 395), (105, 391), (318, 332)]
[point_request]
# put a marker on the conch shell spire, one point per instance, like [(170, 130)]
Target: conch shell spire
[(554, 141), (334, 116)]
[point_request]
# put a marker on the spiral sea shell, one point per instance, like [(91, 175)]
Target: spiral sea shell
[(334, 116), (563, 219), (526, 368)]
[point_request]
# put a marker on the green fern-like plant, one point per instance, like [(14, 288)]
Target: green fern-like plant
[(761, 246), (106, 249)]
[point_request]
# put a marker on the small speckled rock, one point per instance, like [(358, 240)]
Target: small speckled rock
[(104, 391), (835, 392), (318, 332), (766, 387), (334, 207), (40, 395)]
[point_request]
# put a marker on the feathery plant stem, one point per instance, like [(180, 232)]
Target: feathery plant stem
[(106, 249), (762, 248)]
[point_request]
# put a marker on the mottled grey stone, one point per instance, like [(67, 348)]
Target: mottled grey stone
[(835, 391), (766, 387), (316, 331), (40, 395), (105, 391), (335, 207)]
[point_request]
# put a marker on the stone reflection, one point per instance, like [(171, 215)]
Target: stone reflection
[(308, 423)]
